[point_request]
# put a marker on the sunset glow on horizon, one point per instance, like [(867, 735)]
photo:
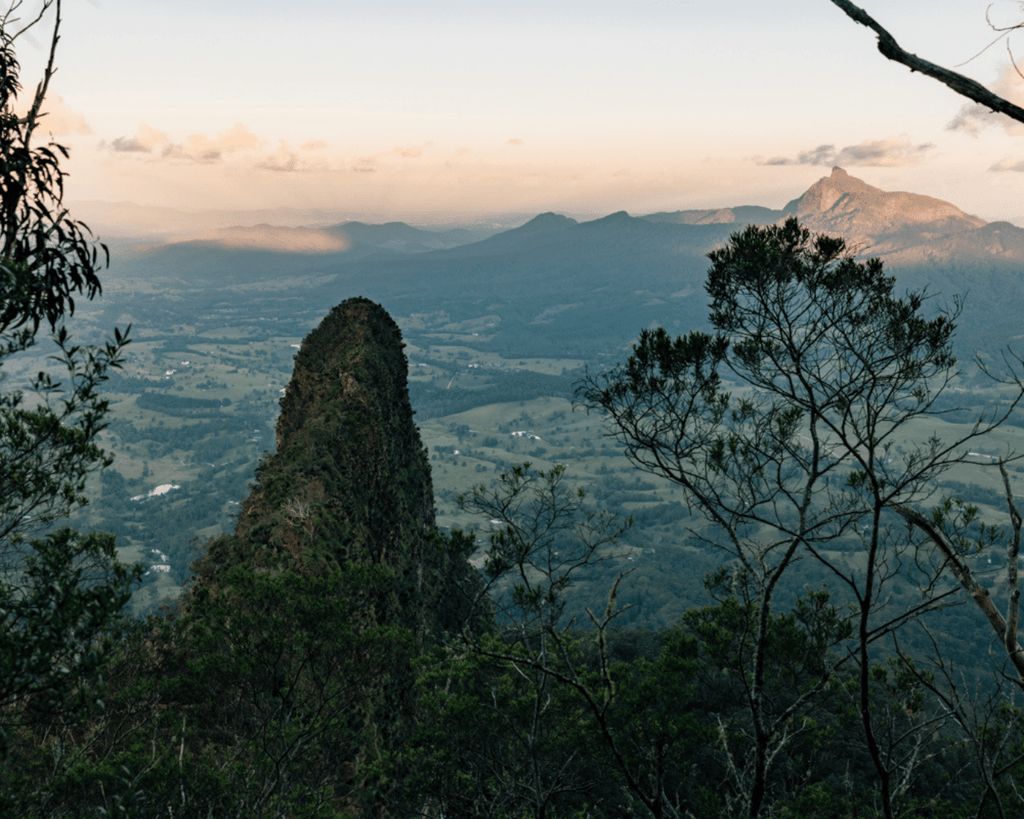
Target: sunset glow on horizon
[(486, 107)]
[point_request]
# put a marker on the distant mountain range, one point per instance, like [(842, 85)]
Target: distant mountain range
[(880, 223), (124, 220), (557, 280), (904, 228)]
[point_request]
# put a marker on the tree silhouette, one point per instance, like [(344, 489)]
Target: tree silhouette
[(829, 369), (59, 589)]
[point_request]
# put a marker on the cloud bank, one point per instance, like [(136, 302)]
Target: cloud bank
[(890, 152), (194, 148), (1008, 165), (201, 148), (56, 116), (242, 149)]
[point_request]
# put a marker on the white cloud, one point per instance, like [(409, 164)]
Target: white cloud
[(974, 118), (144, 141), (1008, 165), (201, 148), (60, 119), (284, 159), (56, 116)]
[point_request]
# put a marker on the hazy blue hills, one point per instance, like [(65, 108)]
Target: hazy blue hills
[(543, 224), (578, 285), (402, 238), (238, 254), (554, 281), (743, 215)]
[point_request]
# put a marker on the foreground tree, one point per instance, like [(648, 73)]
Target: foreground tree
[(811, 448), (505, 702), (537, 717), (58, 590)]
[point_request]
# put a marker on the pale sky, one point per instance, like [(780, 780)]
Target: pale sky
[(578, 106)]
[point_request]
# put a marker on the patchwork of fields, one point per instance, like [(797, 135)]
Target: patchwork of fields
[(196, 404)]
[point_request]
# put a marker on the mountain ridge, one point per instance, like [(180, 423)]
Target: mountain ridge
[(878, 222), (552, 279), (843, 204)]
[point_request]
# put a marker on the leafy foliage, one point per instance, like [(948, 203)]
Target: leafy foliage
[(53, 627), (828, 367), (60, 590)]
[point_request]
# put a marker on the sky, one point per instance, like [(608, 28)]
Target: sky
[(433, 111)]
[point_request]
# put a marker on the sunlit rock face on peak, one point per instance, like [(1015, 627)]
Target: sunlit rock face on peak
[(827, 191), (848, 206)]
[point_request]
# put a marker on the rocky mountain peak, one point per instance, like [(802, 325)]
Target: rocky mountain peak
[(345, 510), (350, 481), (842, 204), (827, 191)]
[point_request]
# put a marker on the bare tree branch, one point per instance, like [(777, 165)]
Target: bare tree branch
[(964, 86), (32, 118), (1013, 648), (981, 595)]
